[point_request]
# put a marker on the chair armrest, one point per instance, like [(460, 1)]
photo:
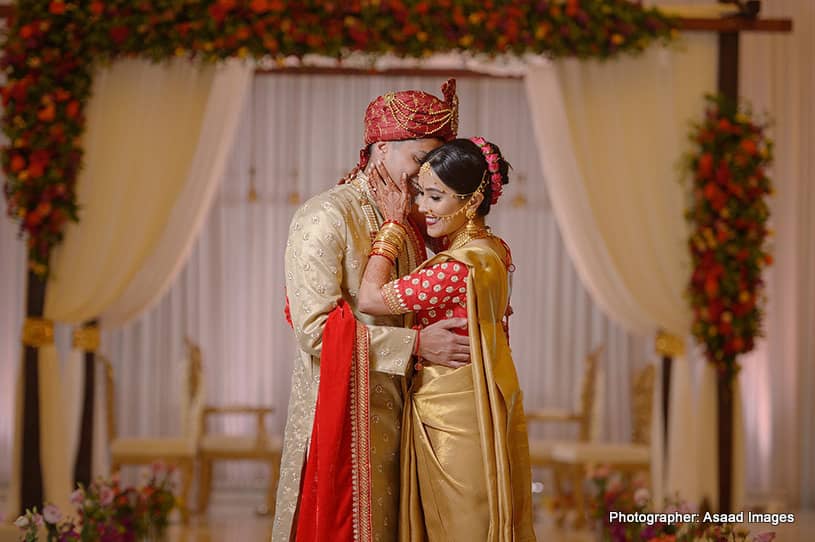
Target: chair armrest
[(552, 415), (260, 412), (237, 409)]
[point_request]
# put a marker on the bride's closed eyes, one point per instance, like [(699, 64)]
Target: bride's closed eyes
[(417, 189)]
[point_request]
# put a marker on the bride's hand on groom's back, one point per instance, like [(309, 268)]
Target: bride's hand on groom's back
[(441, 346)]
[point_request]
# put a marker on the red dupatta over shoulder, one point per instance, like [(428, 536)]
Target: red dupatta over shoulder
[(335, 501)]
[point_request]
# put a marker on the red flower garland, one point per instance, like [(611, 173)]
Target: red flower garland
[(729, 216), (52, 45)]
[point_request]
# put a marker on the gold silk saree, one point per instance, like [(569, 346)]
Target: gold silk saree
[(465, 472)]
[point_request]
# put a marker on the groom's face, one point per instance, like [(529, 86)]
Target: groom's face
[(406, 157)]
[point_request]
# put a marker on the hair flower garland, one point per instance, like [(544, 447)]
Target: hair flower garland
[(496, 182)]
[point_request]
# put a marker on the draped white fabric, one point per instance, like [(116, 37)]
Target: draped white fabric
[(225, 101), (778, 76), (142, 203), (610, 136), (140, 140), (12, 311)]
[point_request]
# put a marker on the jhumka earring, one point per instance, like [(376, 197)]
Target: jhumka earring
[(471, 226)]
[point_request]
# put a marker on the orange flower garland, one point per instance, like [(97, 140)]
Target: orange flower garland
[(52, 45), (728, 244)]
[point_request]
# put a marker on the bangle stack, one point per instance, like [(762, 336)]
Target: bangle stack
[(388, 242)]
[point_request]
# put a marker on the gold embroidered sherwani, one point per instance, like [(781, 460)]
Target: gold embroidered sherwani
[(326, 252)]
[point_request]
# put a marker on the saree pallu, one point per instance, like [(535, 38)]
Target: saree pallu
[(466, 473)]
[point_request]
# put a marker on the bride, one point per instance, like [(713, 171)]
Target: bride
[(465, 454)]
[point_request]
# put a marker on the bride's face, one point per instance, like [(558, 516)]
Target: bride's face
[(435, 199)]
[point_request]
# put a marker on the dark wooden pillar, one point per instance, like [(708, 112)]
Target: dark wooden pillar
[(729, 64), (667, 366), (668, 347), (31, 483), (86, 339), (728, 86)]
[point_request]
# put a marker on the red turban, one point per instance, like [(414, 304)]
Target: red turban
[(411, 114)]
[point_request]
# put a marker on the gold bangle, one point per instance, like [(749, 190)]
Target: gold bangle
[(389, 237), (395, 230), (387, 246), (392, 231), (392, 224), (388, 241)]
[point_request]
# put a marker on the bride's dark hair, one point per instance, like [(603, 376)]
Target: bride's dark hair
[(460, 164)]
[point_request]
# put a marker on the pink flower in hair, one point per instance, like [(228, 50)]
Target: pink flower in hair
[(492, 166), (497, 188)]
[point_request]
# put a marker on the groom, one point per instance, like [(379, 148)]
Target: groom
[(328, 245)]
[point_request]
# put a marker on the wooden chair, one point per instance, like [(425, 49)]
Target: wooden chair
[(176, 451), (578, 458), (583, 416), (259, 447)]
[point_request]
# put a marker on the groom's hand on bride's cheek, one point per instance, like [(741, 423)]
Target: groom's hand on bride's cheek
[(440, 346)]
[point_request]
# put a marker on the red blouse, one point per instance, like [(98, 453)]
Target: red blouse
[(434, 293)]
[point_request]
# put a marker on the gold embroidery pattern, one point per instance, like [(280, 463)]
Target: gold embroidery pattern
[(360, 435), (404, 114), (391, 297)]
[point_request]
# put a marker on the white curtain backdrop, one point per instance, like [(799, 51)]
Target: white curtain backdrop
[(610, 136), (778, 76), (12, 309)]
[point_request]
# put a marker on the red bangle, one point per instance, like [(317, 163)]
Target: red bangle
[(418, 365), (383, 254)]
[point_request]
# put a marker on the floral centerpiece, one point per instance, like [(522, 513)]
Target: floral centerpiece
[(728, 217), (107, 512)]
